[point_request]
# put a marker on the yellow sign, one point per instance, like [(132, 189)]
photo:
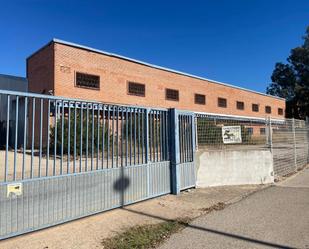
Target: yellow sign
[(14, 189)]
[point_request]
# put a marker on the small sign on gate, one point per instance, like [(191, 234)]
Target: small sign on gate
[(14, 189), (231, 134)]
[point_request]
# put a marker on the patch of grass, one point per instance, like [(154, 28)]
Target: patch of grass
[(143, 237), (150, 236), (217, 207)]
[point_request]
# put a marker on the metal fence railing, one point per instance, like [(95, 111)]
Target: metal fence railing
[(287, 139), (186, 147), (289, 145), (74, 158), (219, 132), (158, 136), (43, 136)]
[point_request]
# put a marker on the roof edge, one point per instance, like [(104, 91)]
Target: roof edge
[(55, 40), (13, 77), (40, 49)]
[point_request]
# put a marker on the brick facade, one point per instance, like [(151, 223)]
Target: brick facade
[(54, 67)]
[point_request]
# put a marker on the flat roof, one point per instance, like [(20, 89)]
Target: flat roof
[(151, 65), (8, 76)]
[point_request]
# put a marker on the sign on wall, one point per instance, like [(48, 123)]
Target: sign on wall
[(231, 134)]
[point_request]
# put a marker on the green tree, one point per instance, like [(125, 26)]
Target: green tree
[(291, 81)]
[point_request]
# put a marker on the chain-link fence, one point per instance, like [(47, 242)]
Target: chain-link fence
[(289, 145), (288, 139), (215, 132)]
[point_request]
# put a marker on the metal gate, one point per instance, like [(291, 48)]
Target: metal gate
[(186, 148), (81, 157), (183, 149)]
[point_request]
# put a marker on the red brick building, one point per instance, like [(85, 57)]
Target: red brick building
[(70, 70)]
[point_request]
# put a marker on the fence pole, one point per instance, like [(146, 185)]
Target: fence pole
[(175, 153), (194, 143), (195, 132), (270, 134), (294, 144), (307, 127)]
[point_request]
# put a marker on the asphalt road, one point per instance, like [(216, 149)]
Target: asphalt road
[(276, 217)]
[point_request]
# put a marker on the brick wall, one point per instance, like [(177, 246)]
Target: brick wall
[(115, 72), (40, 72)]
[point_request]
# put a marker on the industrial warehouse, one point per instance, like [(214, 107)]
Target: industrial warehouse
[(87, 131), (69, 70)]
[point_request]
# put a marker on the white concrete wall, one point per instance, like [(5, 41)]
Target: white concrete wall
[(218, 168)]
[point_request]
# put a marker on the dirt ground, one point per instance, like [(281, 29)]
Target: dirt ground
[(50, 168), (90, 231)]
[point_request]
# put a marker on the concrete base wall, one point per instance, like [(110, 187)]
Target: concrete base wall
[(218, 168)]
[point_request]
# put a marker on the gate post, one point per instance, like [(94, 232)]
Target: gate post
[(175, 153)]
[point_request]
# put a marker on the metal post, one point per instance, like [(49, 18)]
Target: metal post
[(7, 139), (25, 137), (269, 135), (294, 144), (307, 127), (195, 133), (146, 142), (175, 153), (48, 139), (40, 134), (193, 137), (146, 136), (16, 134), (74, 138), (69, 137)]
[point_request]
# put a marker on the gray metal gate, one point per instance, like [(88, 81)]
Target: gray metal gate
[(186, 149), (81, 157)]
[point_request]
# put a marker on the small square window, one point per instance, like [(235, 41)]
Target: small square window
[(222, 102), (172, 94), (267, 109), (280, 111), (262, 131), (255, 107), (87, 80), (200, 99), (240, 105), (136, 89)]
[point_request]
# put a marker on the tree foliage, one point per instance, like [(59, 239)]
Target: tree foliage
[(291, 81), (85, 138)]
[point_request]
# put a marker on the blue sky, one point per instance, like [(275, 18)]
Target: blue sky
[(236, 42)]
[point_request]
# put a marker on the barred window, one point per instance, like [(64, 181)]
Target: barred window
[(222, 102), (172, 94), (200, 99), (240, 105), (280, 111), (136, 89), (255, 107), (87, 80), (267, 109)]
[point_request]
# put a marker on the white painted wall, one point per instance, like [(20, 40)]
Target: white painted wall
[(218, 168)]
